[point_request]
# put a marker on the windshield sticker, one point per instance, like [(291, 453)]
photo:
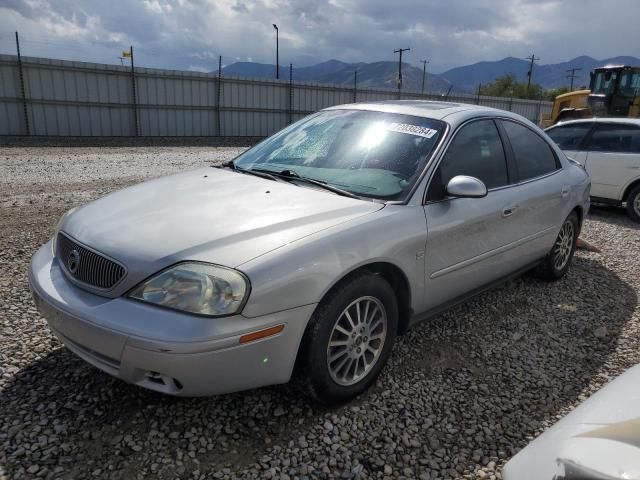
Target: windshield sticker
[(411, 129)]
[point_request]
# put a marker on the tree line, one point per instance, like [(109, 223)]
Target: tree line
[(510, 86)]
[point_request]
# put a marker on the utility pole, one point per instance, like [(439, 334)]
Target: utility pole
[(291, 93), (22, 90), (400, 50), (219, 97), (533, 59), (135, 98), (572, 75), (277, 52), (424, 72), (355, 85), (134, 103)]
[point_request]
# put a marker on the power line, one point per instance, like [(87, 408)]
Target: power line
[(572, 75)]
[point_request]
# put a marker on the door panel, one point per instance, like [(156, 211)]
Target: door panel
[(543, 189), (610, 172), (613, 158), (466, 236), (469, 244), (542, 204)]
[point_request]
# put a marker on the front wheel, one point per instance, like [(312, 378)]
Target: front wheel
[(633, 204), (349, 339), (556, 263)]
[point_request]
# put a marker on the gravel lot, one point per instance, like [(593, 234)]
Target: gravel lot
[(461, 395)]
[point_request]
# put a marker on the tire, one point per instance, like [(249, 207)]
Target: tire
[(633, 204), (556, 263), (349, 374)]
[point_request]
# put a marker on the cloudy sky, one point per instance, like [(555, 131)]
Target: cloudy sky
[(191, 34)]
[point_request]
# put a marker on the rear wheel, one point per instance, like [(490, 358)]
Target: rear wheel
[(633, 204), (349, 339), (557, 261)]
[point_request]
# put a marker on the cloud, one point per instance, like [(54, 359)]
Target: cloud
[(191, 34)]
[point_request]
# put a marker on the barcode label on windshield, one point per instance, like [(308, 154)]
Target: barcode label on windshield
[(411, 129)]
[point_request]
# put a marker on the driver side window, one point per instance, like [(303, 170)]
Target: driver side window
[(476, 151)]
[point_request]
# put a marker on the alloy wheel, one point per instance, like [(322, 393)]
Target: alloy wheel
[(564, 245), (357, 340)]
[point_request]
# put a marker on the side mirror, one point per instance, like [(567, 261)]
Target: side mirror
[(466, 187)]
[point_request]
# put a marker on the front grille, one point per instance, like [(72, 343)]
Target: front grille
[(87, 266)]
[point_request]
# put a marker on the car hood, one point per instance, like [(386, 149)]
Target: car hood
[(210, 214), (600, 439)]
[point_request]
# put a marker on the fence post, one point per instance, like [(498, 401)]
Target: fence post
[(355, 86), (538, 108), (135, 97), (290, 93), (218, 98), (478, 95), (510, 104), (22, 90)]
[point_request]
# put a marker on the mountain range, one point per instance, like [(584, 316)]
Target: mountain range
[(459, 79)]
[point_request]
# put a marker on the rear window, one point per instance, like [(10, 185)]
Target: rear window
[(533, 154)]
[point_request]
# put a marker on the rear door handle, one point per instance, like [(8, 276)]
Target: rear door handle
[(565, 191), (507, 211)]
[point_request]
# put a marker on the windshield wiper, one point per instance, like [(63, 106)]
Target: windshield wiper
[(249, 171), (295, 176)]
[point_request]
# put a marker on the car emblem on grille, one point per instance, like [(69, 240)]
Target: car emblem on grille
[(73, 261)]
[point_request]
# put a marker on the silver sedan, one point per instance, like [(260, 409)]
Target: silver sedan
[(309, 253)]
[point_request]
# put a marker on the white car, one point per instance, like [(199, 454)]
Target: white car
[(609, 148), (599, 440)]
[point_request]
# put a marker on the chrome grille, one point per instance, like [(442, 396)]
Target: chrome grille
[(88, 266)]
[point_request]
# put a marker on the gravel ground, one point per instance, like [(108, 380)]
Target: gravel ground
[(461, 395)]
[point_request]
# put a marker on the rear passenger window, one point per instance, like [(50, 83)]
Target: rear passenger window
[(569, 137), (477, 151), (533, 154), (615, 138)]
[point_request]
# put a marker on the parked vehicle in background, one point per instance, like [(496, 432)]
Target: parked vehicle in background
[(600, 439), (568, 106), (609, 148), (614, 91), (313, 249)]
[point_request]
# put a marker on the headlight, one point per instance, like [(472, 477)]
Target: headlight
[(198, 288)]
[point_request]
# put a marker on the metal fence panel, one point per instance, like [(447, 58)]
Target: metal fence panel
[(67, 98)]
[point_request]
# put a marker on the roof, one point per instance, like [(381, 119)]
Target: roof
[(608, 67), (424, 108), (630, 121)]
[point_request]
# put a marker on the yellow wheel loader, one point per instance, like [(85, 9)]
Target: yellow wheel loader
[(614, 91)]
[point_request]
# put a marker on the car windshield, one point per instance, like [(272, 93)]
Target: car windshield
[(370, 154)]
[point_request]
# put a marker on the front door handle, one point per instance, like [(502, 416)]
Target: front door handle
[(508, 211)]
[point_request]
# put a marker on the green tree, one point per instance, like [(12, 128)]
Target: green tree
[(509, 86)]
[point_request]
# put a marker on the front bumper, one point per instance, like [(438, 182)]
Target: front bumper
[(164, 350)]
